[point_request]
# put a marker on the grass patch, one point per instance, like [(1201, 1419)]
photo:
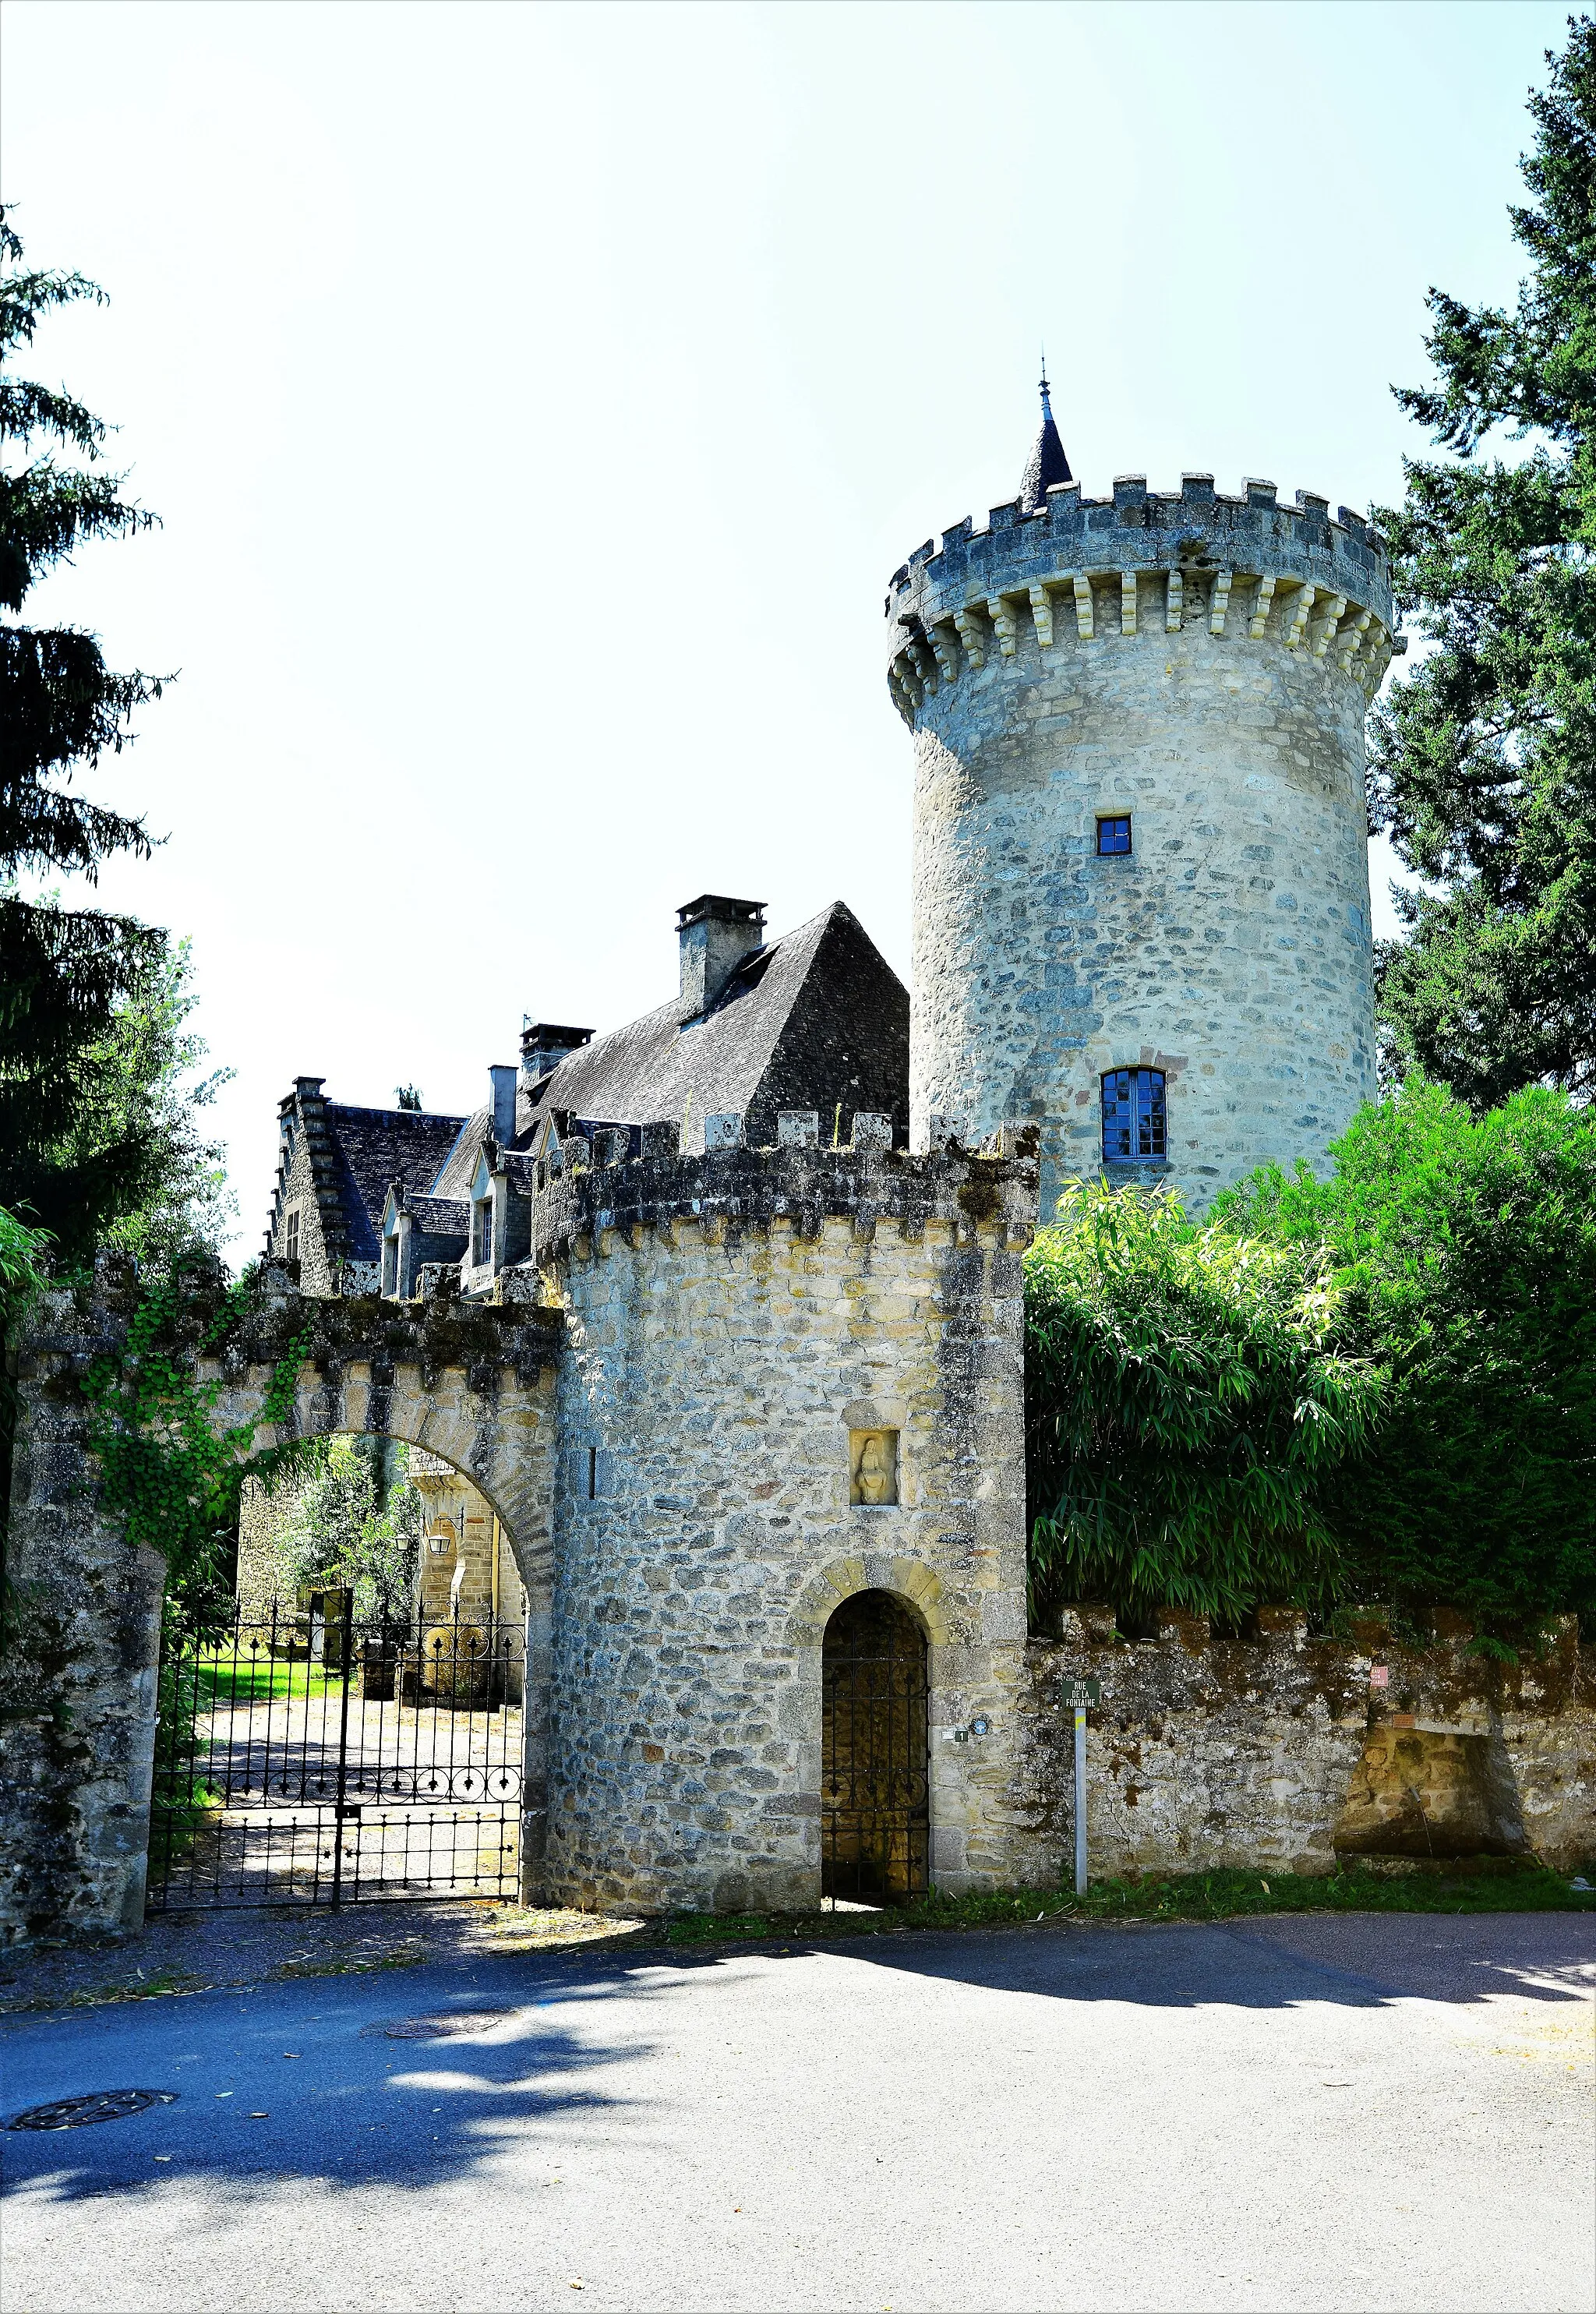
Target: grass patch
[(210, 1681), (178, 1817), (1477, 1884)]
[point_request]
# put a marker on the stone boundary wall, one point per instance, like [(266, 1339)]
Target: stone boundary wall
[(77, 1680), (1284, 1752)]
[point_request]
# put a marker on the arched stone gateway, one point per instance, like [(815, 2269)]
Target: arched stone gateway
[(473, 1383)]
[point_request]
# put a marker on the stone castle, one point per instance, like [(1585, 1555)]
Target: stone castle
[(769, 1507)]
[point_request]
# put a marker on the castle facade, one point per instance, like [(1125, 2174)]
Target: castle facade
[(780, 1638)]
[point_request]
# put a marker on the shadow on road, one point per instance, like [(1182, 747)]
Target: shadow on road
[(302, 2081), (1357, 1960)]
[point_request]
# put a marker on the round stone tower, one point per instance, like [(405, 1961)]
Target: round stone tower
[(1140, 856)]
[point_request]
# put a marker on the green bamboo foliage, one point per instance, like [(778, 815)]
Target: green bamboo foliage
[(1466, 1249), (1187, 1395)]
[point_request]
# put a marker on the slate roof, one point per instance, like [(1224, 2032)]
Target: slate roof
[(814, 1018), (374, 1146), (1047, 464), (439, 1216)]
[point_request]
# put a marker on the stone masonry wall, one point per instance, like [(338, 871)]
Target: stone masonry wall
[(267, 1581), (1232, 948), (1283, 1753), (730, 1322)]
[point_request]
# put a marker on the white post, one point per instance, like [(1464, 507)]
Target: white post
[(1079, 1799)]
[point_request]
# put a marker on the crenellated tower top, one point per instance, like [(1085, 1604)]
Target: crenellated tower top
[(1092, 569)]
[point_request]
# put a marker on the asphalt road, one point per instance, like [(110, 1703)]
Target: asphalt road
[(1361, 2113)]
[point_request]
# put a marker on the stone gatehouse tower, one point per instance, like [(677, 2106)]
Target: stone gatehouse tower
[(1141, 859)]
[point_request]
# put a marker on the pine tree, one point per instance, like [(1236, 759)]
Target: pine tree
[(63, 972), (1484, 762)]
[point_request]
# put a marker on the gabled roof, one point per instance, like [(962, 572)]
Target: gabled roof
[(372, 1147), (814, 1019)]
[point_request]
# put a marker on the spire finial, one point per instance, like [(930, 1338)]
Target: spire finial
[(1048, 463)]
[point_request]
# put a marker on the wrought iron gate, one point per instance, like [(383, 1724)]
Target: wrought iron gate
[(875, 1797), (310, 1759)]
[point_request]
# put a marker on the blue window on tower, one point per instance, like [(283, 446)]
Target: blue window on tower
[(1133, 1122), (1114, 836)]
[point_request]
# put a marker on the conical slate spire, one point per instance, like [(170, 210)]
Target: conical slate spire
[(1048, 463)]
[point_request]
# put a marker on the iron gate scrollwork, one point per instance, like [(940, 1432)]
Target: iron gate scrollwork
[(874, 1793), (310, 1757)]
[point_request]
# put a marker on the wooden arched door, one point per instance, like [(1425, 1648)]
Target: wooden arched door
[(874, 1790)]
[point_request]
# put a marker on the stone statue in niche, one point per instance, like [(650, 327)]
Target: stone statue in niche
[(875, 1466)]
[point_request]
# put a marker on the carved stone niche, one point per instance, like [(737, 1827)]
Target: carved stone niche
[(873, 1467)]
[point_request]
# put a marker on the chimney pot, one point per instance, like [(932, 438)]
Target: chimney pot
[(715, 935), (545, 1043), (503, 1081)]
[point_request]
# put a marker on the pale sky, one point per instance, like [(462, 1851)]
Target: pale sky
[(537, 400)]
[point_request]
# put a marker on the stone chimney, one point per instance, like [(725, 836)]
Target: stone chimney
[(545, 1043), (715, 935), (504, 1105)]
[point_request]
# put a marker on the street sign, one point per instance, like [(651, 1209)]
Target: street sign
[(1080, 1695)]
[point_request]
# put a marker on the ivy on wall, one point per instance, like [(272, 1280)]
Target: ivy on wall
[(168, 1471)]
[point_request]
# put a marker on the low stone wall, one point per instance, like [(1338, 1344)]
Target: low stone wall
[(1285, 1751)]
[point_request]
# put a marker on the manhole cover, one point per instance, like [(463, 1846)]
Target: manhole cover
[(448, 2027), (78, 2112)]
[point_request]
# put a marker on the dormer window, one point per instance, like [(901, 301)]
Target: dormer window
[(390, 1266), (481, 1250)]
